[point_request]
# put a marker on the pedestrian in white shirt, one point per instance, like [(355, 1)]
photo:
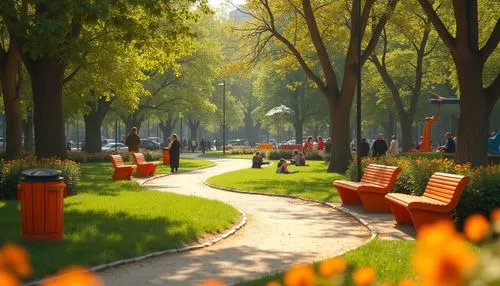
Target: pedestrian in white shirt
[(393, 147)]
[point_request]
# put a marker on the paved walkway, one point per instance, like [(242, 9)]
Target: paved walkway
[(280, 232)]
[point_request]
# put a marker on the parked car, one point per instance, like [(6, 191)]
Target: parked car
[(150, 144), (105, 142), (114, 147)]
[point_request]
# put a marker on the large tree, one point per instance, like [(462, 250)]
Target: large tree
[(11, 77), (472, 40), (406, 64), (306, 31), (49, 36)]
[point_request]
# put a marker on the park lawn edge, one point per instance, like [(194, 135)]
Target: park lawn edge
[(97, 174)]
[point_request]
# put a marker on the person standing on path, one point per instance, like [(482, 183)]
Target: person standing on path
[(203, 145), (379, 146), (133, 141), (174, 149), (393, 147)]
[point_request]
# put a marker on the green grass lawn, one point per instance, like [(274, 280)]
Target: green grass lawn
[(185, 165), (108, 220), (311, 182), (218, 154), (389, 258)]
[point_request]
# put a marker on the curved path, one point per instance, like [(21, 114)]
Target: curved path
[(280, 232)]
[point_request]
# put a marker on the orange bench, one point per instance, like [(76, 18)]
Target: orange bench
[(377, 181), (265, 147), (144, 169), (441, 195), (121, 171)]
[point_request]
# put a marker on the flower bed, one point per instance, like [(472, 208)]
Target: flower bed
[(10, 172), (482, 195)]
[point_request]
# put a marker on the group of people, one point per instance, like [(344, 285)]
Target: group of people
[(448, 147), (298, 159), (133, 142), (321, 145)]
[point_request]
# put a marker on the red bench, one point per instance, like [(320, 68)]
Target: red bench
[(377, 181), (121, 171), (441, 196), (144, 169)]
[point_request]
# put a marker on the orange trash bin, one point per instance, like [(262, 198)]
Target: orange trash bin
[(166, 156), (41, 192)]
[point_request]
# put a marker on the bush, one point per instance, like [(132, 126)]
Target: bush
[(482, 195), (243, 151), (83, 157), (11, 172)]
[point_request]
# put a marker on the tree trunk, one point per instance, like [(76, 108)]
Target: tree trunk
[(93, 122), (29, 143), (339, 113), (11, 78), (47, 75), (299, 130), (134, 120), (475, 111), (390, 125), (406, 134), (166, 127), (193, 128)]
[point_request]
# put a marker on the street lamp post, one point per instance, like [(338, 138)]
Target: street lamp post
[(357, 14), (223, 84)]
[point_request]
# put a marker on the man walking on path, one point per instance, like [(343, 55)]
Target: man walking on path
[(133, 141), (379, 146), (364, 149), (393, 146)]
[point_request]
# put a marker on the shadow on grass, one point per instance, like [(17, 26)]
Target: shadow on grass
[(93, 238)]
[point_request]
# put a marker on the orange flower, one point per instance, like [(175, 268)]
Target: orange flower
[(16, 257), (407, 282), (364, 276), (442, 256), (495, 214), (212, 282), (7, 279), (300, 275), (273, 283), (74, 276), (476, 227), (332, 266)]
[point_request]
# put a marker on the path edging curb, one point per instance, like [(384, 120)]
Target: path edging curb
[(170, 174), (372, 230), (225, 235)]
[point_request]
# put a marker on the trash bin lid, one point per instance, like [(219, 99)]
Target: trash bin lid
[(41, 175)]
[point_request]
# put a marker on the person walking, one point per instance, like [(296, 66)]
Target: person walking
[(321, 144), (364, 149), (174, 149), (193, 145), (379, 146), (133, 141), (393, 147)]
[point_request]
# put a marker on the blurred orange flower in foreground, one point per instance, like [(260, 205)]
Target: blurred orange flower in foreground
[(7, 279), (17, 258), (212, 282), (273, 283), (442, 256), (300, 275), (332, 266), (364, 276), (74, 276), (495, 214), (476, 227), (407, 282)]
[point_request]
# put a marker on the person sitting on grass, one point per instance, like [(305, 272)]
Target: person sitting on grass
[(257, 161), (295, 158), (283, 168)]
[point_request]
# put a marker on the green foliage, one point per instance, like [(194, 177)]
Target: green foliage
[(112, 220), (10, 173), (83, 157), (480, 195)]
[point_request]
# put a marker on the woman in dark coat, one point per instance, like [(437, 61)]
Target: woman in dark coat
[(174, 150)]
